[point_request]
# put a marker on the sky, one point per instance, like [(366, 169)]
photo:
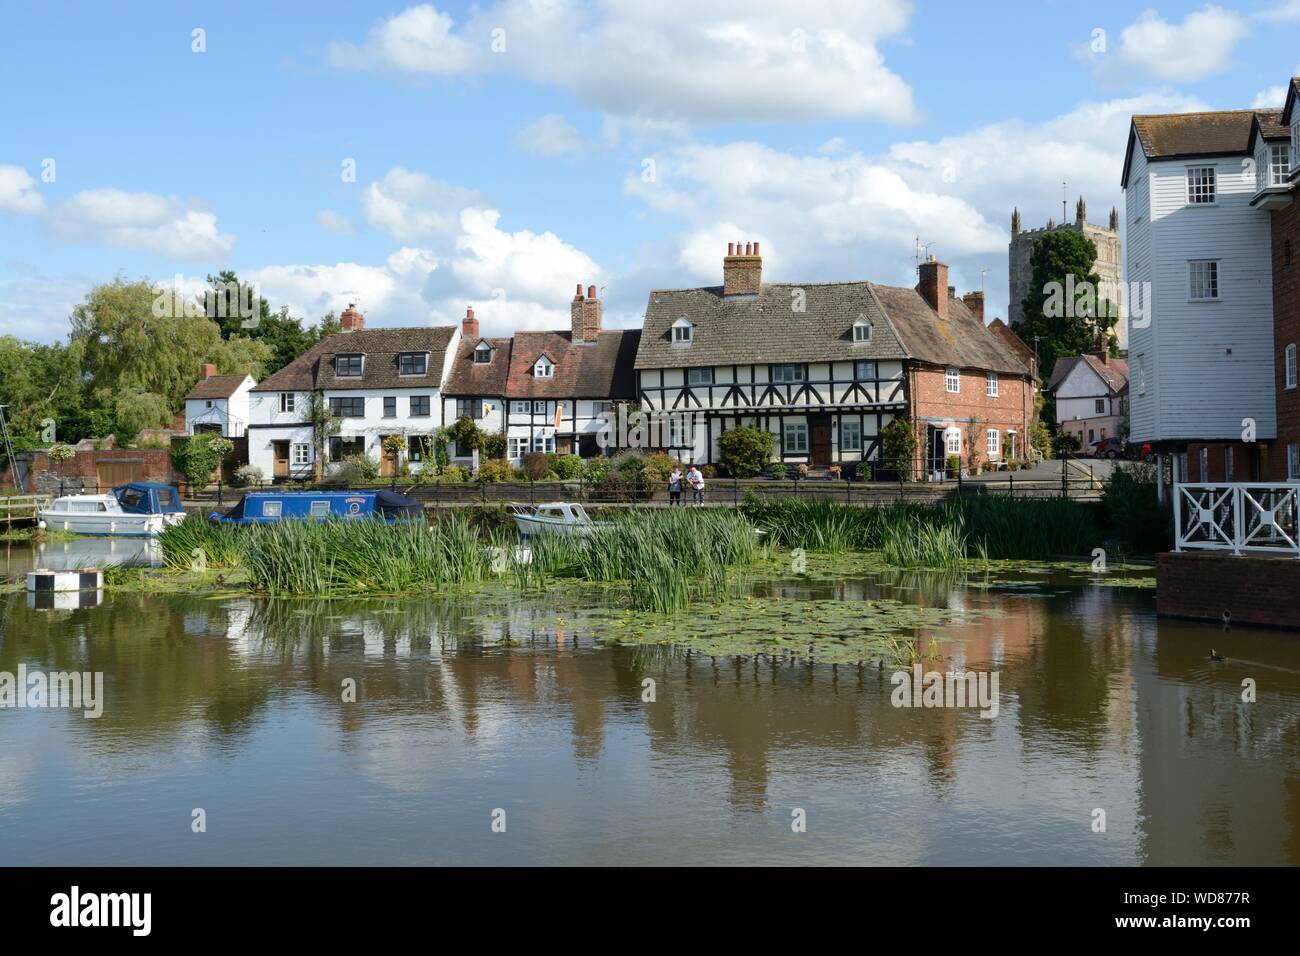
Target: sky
[(420, 159)]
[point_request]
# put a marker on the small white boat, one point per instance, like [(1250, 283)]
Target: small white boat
[(557, 517), (133, 510)]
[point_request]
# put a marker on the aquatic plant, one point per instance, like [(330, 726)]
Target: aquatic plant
[(220, 545)]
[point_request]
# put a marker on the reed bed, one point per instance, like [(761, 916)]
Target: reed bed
[(197, 540), (977, 527)]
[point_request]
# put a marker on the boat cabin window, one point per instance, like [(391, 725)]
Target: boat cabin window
[(132, 498), (271, 509), (550, 512), (165, 499), (319, 509), (579, 512), (83, 507)]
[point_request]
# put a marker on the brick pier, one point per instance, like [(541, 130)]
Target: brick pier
[(1252, 589)]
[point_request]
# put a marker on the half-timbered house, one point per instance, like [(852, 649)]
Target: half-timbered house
[(823, 366), (476, 387)]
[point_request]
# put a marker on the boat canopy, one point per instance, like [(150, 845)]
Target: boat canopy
[(148, 498), (258, 507)]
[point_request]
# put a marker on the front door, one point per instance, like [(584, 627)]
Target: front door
[(819, 446), (280, 453), (387, 462)]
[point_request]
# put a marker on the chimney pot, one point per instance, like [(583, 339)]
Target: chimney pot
[(351, 320), (578, 294), (731, 248), (591, 292), (742, 269), (756, 248), (469, 325)]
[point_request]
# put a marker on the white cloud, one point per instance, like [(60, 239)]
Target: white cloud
[(1269, 99), (35, 305), (1283, 13), (552, 135), (162, 225), (389, 294), (848, 215), (18, 192), (674, 60), (415, 208), (333, 222), (418, 40), (1199, 47)]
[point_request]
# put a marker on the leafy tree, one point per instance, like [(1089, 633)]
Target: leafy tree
[(40, 383), (898, 446), (133, 336), (228, 302), (745, 450), (136, 410), (1064, 308), (323, 424), (198, 457)]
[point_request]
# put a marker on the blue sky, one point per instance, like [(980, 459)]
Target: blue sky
[(505, 151)]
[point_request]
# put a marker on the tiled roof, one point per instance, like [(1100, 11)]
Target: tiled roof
[(761, 328), (749, 329), (1292, 98), (1012, 341), (1114, 374), (314, 369), (216, 386), (1198, 134), (600, 369), (479, 378)]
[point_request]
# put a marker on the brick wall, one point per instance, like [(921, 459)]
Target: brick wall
[(1286, 329), (1205, 584), (934, 405), (1255, 461), (82, 471)]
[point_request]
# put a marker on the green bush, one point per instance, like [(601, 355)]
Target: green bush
[(198, 457), (495, 470), (745, 450), (898, 446), (596, 468), (353, 470), (1132, 512), (568, 467), (656, 467)]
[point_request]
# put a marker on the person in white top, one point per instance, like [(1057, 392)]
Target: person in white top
[(695, 478)]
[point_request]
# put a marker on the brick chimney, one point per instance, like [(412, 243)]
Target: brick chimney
[(975, 302), (351, 320), (469, 324), (209, 370), (742, 269), (584, 315), (934, 286)]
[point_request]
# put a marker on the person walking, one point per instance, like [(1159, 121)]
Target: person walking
[(695, 478), (675, 487)]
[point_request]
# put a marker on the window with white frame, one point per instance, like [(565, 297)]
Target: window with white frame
[(679, 431), (288, 401), (795, 438), (518, 447), (300, 454), (519, 408), (991, 443), (952, 380), (543, 368), (862, 331), (850, 436), (699, 376), (1203, 279), (1099, 407), (683, 331), (1295, 144), (865, 371), (1279, 166), (412, 363), (1289, 363), (539, 408), (601, 409), (544, 443), (482, 355), (1200, 185), (787, 373), (1293, 461), (952, 441), (991, 384)]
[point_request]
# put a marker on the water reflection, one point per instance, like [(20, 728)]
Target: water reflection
[(17, 558), (238, 704)]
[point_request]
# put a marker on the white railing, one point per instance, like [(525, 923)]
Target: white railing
[(1238, 517)]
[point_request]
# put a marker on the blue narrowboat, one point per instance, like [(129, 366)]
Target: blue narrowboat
[(260, 507)]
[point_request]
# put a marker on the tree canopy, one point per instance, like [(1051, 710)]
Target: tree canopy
[(1064, 308)]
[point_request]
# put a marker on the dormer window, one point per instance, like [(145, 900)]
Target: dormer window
[(1279, 164), (683, 331), (861, 331), (543, 368), (482, 354), (413, 363), (348, 366)]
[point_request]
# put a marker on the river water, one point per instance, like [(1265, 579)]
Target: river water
[(520, 711)]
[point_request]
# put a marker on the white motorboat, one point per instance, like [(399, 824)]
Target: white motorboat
[(557, 517), (132, 510)]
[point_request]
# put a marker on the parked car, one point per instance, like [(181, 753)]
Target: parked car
[(1107, 448)]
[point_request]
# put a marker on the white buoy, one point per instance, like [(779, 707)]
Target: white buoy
[(88, 579)]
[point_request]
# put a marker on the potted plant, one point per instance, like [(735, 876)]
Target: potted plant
[(834, 472), (953, 463)]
